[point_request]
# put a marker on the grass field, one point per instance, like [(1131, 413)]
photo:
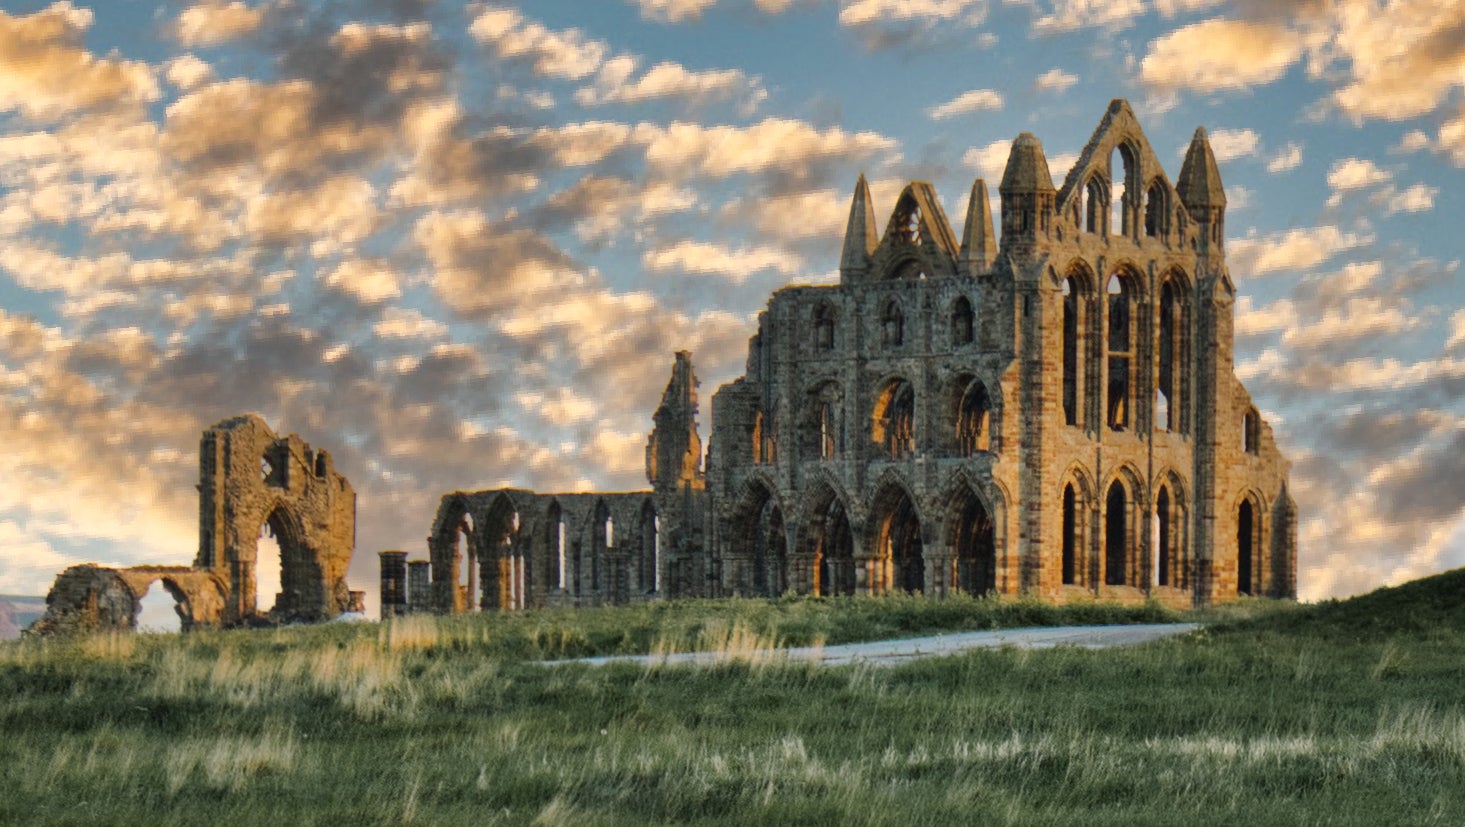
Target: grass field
[(1341, 713)]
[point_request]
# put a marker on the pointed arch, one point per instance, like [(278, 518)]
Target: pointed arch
[(1123, 332), (1080, 315), (893, 420), (825, 325), (822, 427), (1173, 356), (1170, 532), (972, 415), (1157, 208), (1123, 500), (895, 525), (759, 551), (826, 540), (1250, 543), (648, 561), (1076, 499), (963, 321), (892, 323), (972, 534)]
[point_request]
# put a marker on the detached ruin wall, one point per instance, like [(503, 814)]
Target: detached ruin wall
[(250, 481)]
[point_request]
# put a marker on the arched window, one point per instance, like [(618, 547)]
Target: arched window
[(894, 426), (972, 420), (824, 327), (1116, 536), (1123, 189), (1095, 205), (1155, 211), (1071, 573), (962, 322), (1164, 539), (1121, 342), (823, 422), (555, 526), (1251, 432), (1246, 547), (1172, 377), (1072, 310), (757, 437), (892, 325)]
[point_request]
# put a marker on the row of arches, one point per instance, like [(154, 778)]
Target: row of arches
[(825, 328), (501, 558), (968, 421), (1125, 361), (824, 551), (1101, 541)]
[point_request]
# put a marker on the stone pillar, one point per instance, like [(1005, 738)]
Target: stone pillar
[(393, 583), (419, 586)]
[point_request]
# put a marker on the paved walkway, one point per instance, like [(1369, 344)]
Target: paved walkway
[(901, 651)]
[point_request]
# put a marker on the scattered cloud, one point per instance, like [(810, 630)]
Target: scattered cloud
[(967, 102), (1219, 54), (1230, 144), (1299, 249), (1286, 159), (1056, 80)]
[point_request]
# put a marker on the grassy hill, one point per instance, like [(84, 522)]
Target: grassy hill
[(1341, 713)]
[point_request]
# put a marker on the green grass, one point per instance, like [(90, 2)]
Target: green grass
[(1341, 713)]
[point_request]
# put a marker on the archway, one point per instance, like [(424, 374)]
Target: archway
[(898, 547), (828, 544), (974, 543), (301, 590), (161, 609)]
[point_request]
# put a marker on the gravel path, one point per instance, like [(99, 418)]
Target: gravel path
[(901, 651)]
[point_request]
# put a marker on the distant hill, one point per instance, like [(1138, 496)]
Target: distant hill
[(1435, 603), (18, 612)]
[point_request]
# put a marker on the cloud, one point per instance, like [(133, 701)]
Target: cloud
[(866, 12), (794, 149), (482, 270), (671, 80), (1055, 80), (1298, 249), (213, 23), (1068, 15), (371, 281), (975, 100), (1355, 173), (1412, 199), (737, 265), (1286, 159), (1219, 54), (568, 54), (673, 11), (1360, 318), (45, 73)]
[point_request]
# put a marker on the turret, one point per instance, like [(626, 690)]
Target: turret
[(860, 236), (1202, 194), (1027, 194), (978, 243)]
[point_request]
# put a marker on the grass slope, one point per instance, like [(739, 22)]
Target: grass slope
[(1342, 713)]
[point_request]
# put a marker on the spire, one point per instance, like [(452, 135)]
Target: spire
[(978, 244), (1027, 167), (861, 236), (1200, 181)]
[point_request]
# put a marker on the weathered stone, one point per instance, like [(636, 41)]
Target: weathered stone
[(1053, 414), (249, 478)]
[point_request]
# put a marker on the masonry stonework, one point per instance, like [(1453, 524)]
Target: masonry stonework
[(250, 481), (1047, 408)]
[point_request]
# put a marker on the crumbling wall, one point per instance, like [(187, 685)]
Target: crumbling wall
[(250, 480)]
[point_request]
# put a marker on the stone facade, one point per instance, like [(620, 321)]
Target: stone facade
[(250, 480), (1050, 411)]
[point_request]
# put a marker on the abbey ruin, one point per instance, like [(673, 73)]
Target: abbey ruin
[(250, 481), (1050, 410)]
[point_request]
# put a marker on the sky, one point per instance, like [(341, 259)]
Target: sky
[(457, 246)]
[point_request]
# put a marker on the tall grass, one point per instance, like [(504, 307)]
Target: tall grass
[(1262, 719)]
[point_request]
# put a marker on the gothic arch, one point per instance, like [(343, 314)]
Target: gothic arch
[(1251, 534), (1125, 324), (1173, 376), (1122, 505), (893, 419), (973, 528), (1078, 358), (826, 541), (894, 531), (1170, 531), (1077, 498), (758, 539)]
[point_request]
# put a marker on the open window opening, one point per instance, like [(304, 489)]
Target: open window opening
[(1116, 536), (894, 427), (892, 325), (962, 321), (1120, 340)]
